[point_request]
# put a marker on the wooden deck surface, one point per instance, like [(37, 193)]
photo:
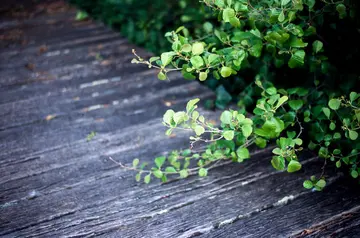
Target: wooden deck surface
[(60, 80)]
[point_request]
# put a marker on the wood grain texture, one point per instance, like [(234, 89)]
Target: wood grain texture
[(64, 79)]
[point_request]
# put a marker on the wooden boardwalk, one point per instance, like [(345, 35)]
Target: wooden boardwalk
[(62, 79)]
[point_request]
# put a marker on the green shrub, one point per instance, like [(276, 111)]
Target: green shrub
[(145, 22), (292, 64)]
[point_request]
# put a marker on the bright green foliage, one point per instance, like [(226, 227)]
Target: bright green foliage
[(145, 22), (279, 60)]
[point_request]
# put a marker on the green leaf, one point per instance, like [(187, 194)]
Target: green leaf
[(166, 58), (170, 169), (81, 15), (246, 130), (297, 59), (317, 46), (310, 3), (293, 166), (161, 75), (284, 2), (208, 27), (197, 48), (147, 178), (242, 153), (199, 130), (332, 126), (354, 174), (228, 13), (191, 105), (226, 117), (323, 152), (291, 134), (334, 104), (220, 3), (278, 162), (225, 71), (159, 161), (281, 101), (235, 22), (308, 184), (353, 135), (152, 59), (184, 173), (271, 91), (298, 141), (228, 135), (296, 104), (354, 96), (213, 58), (281, 17), (186, 48), (135, 162), (138, 177), (321, 183), (297, 43), (168, 116), (260, 142), (341, 9), (203, 76), (158, 173), (203, 172), (277, 151), (180, 117), (326, 111), (337, 136), (197, 61)]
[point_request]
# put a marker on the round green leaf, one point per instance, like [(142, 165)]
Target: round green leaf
[(334, 104), (354, 174), (199, 130), (225, 71), (317, 46), (203, 76), (296, 104), (246, 130), (197, 61), (161, 75), (226, 117), (308, 184), (147, 178), (158, 173), (228, 135), (293, 166), (138, 177), (321, 183), (197, 48), (242, 153), (183, 173), (203, 172), (353, 135), (278, 162), (228, 13), (186, 48), (135, 162), (297, 59)]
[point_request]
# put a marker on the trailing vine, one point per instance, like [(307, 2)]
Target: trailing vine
[(297, 89)]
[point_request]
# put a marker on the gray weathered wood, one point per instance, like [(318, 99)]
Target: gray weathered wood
[(55, 183)]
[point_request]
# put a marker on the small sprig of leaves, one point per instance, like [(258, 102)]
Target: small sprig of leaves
[(230, 141)]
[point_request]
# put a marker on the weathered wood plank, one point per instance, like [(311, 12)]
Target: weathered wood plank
[(55, 183), (301, 213)]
